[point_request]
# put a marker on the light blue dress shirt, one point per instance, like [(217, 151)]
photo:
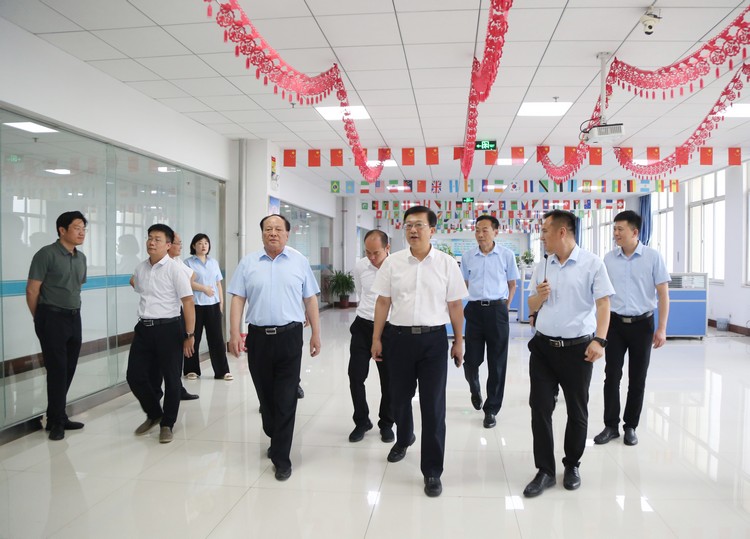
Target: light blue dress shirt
[(635, 279), (570, 310), (274, 288), (207, 274), (488, 275)]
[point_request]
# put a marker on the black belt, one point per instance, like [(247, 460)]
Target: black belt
[(365, 320), (54, 309), (561, 343), (418, 330), (631, 319), (148, 322), (489, 302), (274, 330)]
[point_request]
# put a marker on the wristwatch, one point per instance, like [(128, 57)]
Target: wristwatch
[(188, 335), (602, 342)]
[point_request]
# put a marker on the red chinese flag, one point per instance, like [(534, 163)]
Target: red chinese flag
[(458, 152), (432, 156), (337, 157), (707, 155), (516, 155), (541, 152), (290, 158), (595, 155), (490, 157), (570, 155), (407, 157), (313, 158), (384, 154), (421, 186), (682, 155), (652, 154), (735, 156), (627, 154)]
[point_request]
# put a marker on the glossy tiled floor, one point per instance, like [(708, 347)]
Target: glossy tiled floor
[(688, 477)]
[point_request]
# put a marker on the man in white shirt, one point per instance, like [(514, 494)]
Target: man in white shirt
[(377, 248), (423, 288), (160, 338)]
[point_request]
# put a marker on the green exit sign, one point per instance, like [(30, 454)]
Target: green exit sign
[(13, 158), (485, 145), (468, 200)]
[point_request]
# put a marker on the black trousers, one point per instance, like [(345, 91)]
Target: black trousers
[(359, 367), (487, 326), (419, 359), (567, 367), (156, 353), (274, 362), (60, 338), (210, 318), (635, 339)]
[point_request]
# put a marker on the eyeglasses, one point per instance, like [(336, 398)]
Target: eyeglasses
[(418, 225)]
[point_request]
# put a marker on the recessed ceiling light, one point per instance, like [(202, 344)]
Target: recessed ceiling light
[(544, 108), (336, 114), (168, 169), (386, 163), (507, 162), (61, 171), (740, 110), (31, 127)]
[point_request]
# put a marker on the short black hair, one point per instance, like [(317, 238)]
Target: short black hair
[(383, 236), (563, 218), (67, 218), (160, 227), (431, 217), (493, 220), (198, 237), (633, 219), (286, 223)]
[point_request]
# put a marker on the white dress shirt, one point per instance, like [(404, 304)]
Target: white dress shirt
[(420, 291), (364, 276), (161, 287)]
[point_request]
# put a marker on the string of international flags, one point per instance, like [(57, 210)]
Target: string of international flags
[(470, 186)]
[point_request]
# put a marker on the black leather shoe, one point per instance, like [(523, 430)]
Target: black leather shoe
[(185, 396), (359, 432), (387, 435), (433, 487), (571, 478), (283, 475), (268, 452), (630, 437), (609, 433), (68, 425), (300, 393), (539, 484), (397, 452), (57, 432), (489, 420), (476, 401)]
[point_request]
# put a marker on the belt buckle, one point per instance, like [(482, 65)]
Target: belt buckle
[(147, 323), (484, 303), (270, 331), (627, 319), (556, 343), (416, 330)]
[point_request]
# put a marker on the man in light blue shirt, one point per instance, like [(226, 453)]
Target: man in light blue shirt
[(570, 293), (490, 273), (275, 281), (639, 276)]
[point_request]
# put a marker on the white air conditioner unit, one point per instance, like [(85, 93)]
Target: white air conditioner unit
[(604, 134)]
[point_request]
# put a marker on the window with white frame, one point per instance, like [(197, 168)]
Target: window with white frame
[(706, 224), (662, 227), (605, 222)]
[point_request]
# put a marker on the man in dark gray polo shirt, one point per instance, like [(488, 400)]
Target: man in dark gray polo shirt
[(53, 294)]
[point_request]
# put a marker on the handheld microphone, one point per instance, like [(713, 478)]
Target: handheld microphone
[(545, 266)]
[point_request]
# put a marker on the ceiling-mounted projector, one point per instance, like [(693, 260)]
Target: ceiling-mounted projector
[(603, 134)]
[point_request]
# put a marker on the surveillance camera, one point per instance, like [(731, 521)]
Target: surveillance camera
[(649, 20)]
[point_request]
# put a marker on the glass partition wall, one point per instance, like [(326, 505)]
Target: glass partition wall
[(46, 171)]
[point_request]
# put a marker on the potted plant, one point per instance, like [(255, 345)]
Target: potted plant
[(527, 258), (341, 284)]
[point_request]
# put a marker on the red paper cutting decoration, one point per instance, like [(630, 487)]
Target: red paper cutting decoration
[(682, 155)]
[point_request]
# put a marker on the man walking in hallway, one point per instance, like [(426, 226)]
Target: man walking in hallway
[(53, 295), (639, 276)]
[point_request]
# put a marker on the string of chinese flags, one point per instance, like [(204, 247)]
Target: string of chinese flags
[(719, 51), (293, 83)]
